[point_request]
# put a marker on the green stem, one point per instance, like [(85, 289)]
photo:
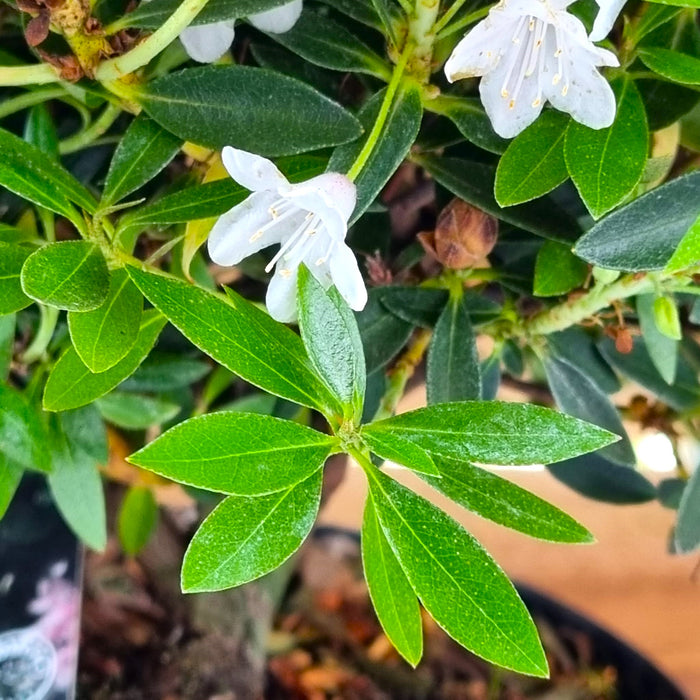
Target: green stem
[(153, 45), (407, 6), (49, 317), (87, 136), (37, 74), (465, 21), (451, 12), (374, 135), (29, 99)]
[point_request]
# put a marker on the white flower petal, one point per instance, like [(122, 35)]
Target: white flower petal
[(278, 20), (254, 172), (236, 234), (347, 278), (609, 10), (207, 43), (281, 298)]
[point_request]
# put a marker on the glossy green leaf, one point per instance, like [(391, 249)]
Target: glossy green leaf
[(606, 164), (497, 499), (12, 234), (215, 106), (666, 102), (69, 275), (494, 432), (332, 339), (138, 516), (71, 384), (577, 395), (687, 532), (662, 350), (162, 372), (323, 42), (682, 395), (456, 580), (644, 235), (76, 486), (10, 476), (687, 253), (473, 182), (679, 3), (248, 536), (382, 333), (7, 344), (87, 432), (597, 478), (468, 115), (28, 172), (145, 149), (394, 142), (362, 11), (39, 130), (420, 306), (12, 258), (666, 317), (22, 432), (239, 336), (557, 270), (401, 450), (533, 163), (134, 411), (104, 336), (676, 66), (453, 372), (246, 454), (391, 594)]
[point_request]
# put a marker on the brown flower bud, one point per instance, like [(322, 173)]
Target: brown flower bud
[(464, 235)]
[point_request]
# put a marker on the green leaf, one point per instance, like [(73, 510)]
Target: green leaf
[(687, 253), (597, 478), (474, 182), (10, 476), (670, 492), (69, 275), (382, 333), (7, 344), (666, 318), (493, 432), (468, 115), (71, 384), (400, 449), (665, 102), (332, 339), (246, 537), (682, 395), (497, 499), (76, 485), (679, 3), (662, 350), (453, 371), (250, 108), (419, 306), (240, 337), (533, 163), (40, 131), (557, 270), (391, 594), (323, 42), (644, 235), (163, 371), (456, 580), (679, 67), (362, 11), (22, 433), (607, 164), (104, 336), (134, 411), (687, 533), (12, 257), (138, 516), (245, 454), (145, 149), (394, 142), (577, 395), (27, 171), (153, 14)]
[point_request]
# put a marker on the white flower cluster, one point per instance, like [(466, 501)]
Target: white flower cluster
[(529, 52)]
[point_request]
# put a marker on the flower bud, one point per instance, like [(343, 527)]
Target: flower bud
[(464, 235)]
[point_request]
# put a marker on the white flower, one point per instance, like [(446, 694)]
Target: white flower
[(208, 42), (531, 51), (309, 220), (607, 14)]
